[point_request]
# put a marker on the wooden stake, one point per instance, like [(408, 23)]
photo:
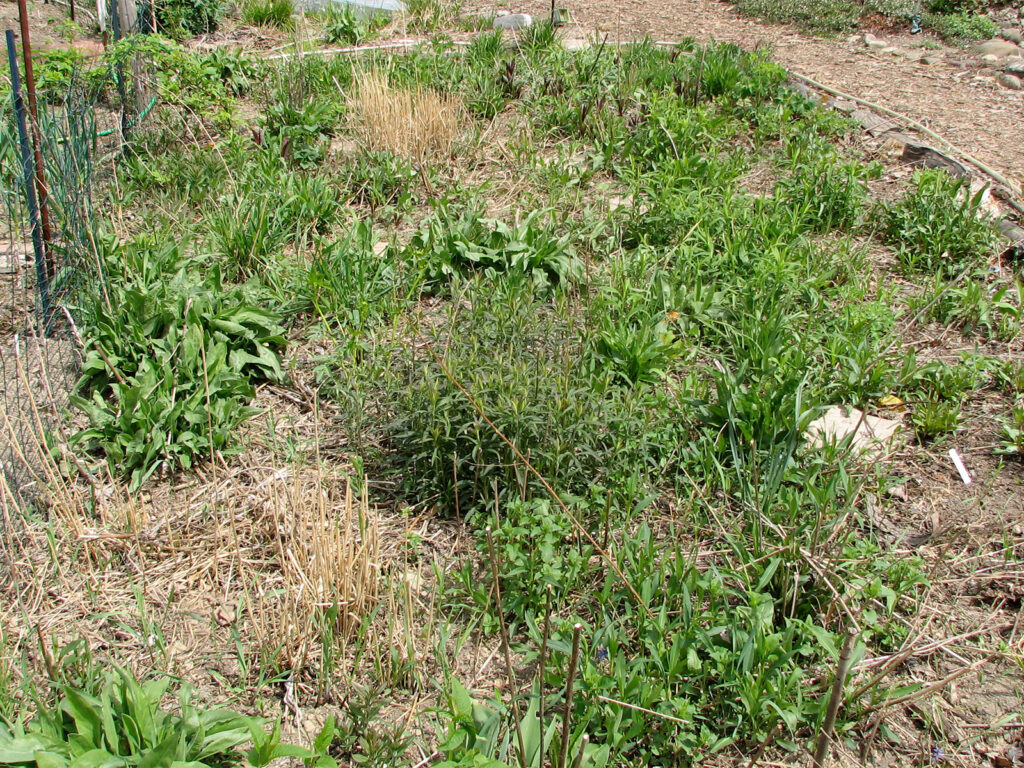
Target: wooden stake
[(567, 719), (835, 699)]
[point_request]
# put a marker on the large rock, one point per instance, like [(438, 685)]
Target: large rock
[(1015, 67), (998, 48), (1010, 81), (1013, 35), (871, 435), (513, 21)]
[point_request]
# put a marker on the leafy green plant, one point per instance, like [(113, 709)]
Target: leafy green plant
[(447, 247), (234, 68), (301, 129), (170, 363), (830, 194), (1011, 440), (123, 723), (939, 226), (344, 26), (637, 351), (536, 545)]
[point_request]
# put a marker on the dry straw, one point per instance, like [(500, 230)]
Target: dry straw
[(328, 553), (416, 123)]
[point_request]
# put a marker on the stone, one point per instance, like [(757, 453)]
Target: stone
[(869, 38), (1015, 67), (990, 59), (615, 202), (877, 45), (930, 60), (892, 50), (1010, 81), (1013, 35), (575, 43), (868, 435), (928, 157), (1010, 231), (513, 21), (998, 48)]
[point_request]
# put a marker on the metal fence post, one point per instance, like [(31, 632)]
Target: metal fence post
[(42, 275), (37, 138)]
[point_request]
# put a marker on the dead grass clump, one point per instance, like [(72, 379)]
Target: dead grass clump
[(328, 559), (415, 123)]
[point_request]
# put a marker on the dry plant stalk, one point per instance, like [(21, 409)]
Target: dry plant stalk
[(328, 553), (416, 123)]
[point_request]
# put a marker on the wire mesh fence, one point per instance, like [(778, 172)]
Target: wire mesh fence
[(51, 165)]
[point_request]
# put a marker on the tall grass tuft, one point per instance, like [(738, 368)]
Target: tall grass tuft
[(416, 123)]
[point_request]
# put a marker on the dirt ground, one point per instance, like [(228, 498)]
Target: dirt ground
[(956, 98)]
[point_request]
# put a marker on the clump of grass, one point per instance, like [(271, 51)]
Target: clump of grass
[(934, 418), (269, 13), (939, 226), (416, 123)]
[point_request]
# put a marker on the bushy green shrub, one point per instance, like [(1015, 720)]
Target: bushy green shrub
[(960, 26), (181, 18)]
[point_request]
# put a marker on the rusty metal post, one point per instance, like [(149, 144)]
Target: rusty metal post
[(37, 139)]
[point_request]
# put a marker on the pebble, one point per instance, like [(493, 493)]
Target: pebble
[(930, 60), (990, 59), (892, 50), (1010, 81)]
